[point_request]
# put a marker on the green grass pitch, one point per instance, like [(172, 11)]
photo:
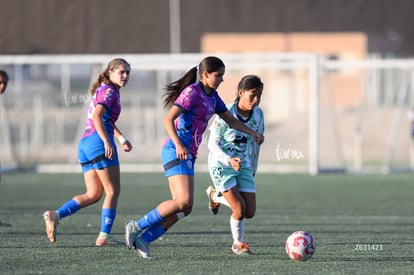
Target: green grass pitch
[(361, 224)]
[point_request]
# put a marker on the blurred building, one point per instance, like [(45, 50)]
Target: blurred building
[(139, 26)]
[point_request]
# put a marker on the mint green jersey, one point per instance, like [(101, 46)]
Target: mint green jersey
[(225, 143)]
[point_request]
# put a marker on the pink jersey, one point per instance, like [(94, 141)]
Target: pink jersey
[(108, 96), (198, 107)]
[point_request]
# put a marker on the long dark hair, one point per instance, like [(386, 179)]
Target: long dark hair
[(248, 82), (104, 76), (172, 91)]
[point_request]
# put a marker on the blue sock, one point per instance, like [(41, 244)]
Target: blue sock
[(151, 218), (107, 220), (69, 208), (153, 233)]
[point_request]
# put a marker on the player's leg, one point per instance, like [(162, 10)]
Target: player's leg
[(180, 174), (247, 188), (110, 179), (223, 179), (94, 191), (182, 193), (237, 204), (168, 212), (250, 201)]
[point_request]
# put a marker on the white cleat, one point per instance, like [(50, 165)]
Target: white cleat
[(142, 248), (213, 207), (131, 233)]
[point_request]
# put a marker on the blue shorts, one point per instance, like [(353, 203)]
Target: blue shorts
[(225, 178), (91, 153), (174, 166)]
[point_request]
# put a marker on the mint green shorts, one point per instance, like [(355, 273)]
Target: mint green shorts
[(226, 178)]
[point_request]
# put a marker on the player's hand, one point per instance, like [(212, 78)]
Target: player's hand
[(127, 146), (109, 150), (259, 138), (235, 163), (182, 152)]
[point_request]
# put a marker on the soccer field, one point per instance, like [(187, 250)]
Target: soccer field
[(361, 224)]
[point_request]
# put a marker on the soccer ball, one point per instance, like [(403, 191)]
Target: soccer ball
[(300, 246)]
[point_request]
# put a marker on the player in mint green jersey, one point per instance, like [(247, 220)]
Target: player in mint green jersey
[(233, 159)]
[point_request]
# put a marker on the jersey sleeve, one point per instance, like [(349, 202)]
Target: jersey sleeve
[(217, 129), (106, 97), (186, 99)]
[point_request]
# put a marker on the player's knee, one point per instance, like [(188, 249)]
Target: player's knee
[(238, 214), (93, 198), (239, 211), (186, 208), (250, 213), (113, 193)]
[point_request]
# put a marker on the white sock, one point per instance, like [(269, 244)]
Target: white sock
[(103, 235), (220, 199), (237, 230)]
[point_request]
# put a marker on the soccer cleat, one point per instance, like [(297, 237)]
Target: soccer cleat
[(107, 241), (51, 221), (131, 233), (213, 207), (142, 248), (240, 249)]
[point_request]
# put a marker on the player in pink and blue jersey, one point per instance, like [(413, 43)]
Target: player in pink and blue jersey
[(192, 103), (98, 155)]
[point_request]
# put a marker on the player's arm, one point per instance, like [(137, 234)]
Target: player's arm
[(216, 134), (255, 157), (98, 113), (170, 117), (125, 143), (219, 154), (238, 125), (256, 147)]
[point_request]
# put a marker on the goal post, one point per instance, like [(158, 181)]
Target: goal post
[(322, 115)]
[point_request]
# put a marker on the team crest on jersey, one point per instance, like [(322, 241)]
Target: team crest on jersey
[(108, 94), (188, 91)]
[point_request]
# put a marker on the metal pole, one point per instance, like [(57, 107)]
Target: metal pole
[(314, 115), (175, 27), (396, 122)]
